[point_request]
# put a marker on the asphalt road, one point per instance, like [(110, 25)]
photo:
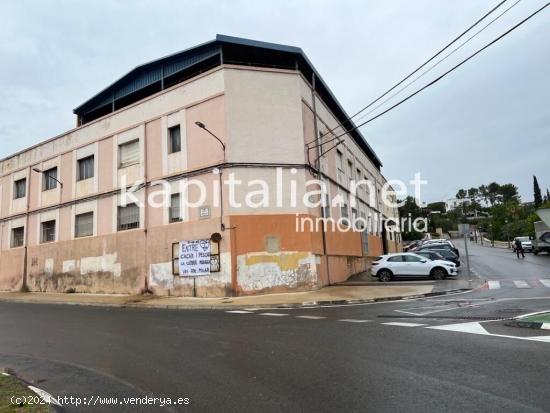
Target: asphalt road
[(450, 353)]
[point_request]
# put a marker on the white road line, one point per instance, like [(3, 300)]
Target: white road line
[(47, 397), (546, 283), (353, 320), (310, 317), (493, 285), (274, 314), (521, 284), (404, 324), (239, 312)]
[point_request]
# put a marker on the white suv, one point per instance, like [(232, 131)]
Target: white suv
[(386, 267)]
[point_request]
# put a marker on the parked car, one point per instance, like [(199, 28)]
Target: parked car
[(448, 255), (442, 254), (525, 243), (439, 245), (386, 267), (541, 242)]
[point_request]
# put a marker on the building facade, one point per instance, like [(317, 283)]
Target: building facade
[(66, 223)]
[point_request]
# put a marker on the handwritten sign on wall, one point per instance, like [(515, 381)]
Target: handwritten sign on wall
[(194, 257)]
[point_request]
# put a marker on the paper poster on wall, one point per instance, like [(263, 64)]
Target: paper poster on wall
[(194, 257)]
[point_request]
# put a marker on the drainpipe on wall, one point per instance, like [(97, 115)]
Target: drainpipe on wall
[(146, 289), (24, 286), (318, 167)]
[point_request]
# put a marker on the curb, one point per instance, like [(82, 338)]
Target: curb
[(529, 324), (307, 304)]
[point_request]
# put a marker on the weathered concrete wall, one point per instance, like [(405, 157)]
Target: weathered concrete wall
[(11, 269)]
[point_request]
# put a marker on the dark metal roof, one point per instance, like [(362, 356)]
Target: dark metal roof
[(154, 76)]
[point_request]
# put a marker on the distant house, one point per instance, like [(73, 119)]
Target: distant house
[(451, 204)]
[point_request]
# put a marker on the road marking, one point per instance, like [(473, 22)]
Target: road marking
[(353, 320), (5, 374), (404, 324), (239, 312), (546, 283), (521, 284), (47, 397), (274, 314), (473, 328), (310, 317), (493, 285)]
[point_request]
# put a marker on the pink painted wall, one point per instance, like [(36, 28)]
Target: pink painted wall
[(203, 149)]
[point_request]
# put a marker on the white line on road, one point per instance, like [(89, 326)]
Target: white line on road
[(239, 312), (404, 324), (274, 314), (353, 320), (310, 317), (493, 285), (546, 283), (521, 284), (45, 396)]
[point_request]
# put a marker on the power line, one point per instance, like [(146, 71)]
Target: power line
[(435, 80), (437, 63), (412, 73)]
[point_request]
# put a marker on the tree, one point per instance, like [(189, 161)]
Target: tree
[(461, 194), (547, 195), (509, 193), (493, 193), (536, 192)]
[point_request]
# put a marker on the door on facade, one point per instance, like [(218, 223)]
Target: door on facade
[(384, 238)]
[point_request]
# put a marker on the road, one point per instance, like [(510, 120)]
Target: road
[(449, 353)]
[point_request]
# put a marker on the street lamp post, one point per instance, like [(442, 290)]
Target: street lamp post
[(203, 126)]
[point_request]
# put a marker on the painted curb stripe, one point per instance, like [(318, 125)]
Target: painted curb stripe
[(352, 320), (310, 317), (239, 312), (47, 397), (274, 314)]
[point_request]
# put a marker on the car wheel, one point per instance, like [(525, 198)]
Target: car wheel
[(438, 274), (385, 276), (535, 252)]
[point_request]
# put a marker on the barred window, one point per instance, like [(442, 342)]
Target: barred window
[(174, 210), (85, 168), (128, 217), (174, 139), (20, 188), (128, 154), (17, 237), (84, 225), (344, 211), (47, 233), (49, 179)]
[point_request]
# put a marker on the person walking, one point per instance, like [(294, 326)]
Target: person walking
[(519, 248)]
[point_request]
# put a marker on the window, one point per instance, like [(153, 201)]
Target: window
[(17, 237), (20, 188), (326, 206), (174, 139), (344, 211), (128, 217), (47, 233), (84, 225), (174, 210), (85, 168), (350, 170), (412, 258), (49, 179), (128, 154), (396, 258), (365, 242), (340, 167)]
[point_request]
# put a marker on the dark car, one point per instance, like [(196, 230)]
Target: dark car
[(433, 255), (439, 246), (448, 255)]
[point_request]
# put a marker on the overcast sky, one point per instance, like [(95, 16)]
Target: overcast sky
[(487, 121)]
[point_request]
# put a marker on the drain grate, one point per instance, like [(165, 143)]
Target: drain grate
[(434, 317)]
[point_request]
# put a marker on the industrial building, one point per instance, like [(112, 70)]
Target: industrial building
[(228, 107)]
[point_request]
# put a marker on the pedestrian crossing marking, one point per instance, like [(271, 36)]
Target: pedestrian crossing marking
[(493, 285), (546, 283), (521, 284)]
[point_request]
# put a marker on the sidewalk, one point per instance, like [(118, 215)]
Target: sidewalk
[(326, 295)]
